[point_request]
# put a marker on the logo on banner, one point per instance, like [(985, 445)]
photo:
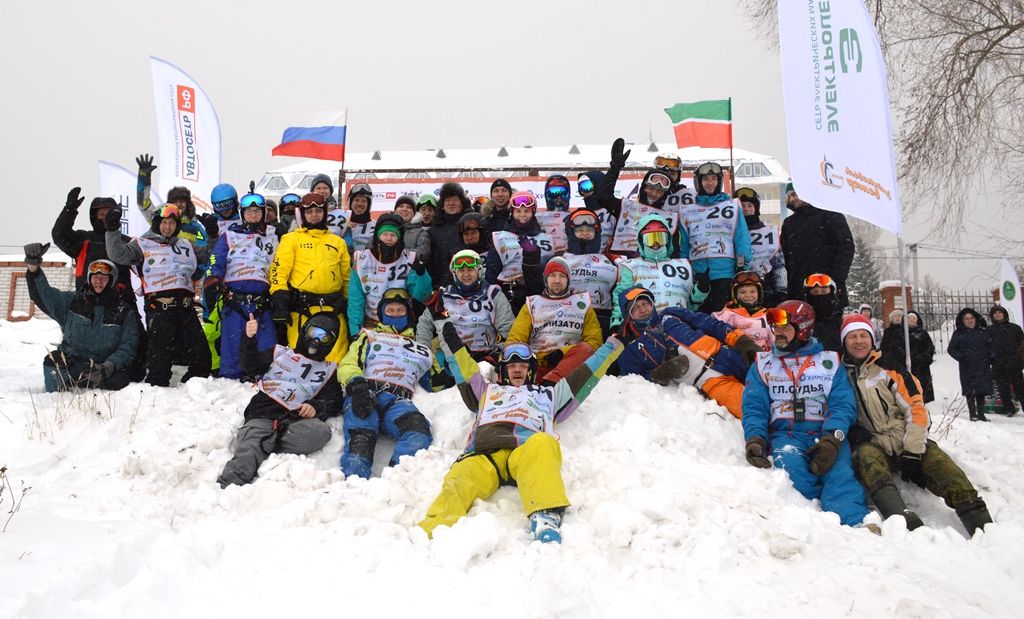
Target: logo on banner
[(849, 50), (186, 107), (828, 177), (1009, 291)]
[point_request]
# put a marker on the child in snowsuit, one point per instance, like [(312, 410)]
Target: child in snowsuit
[(745, 309)]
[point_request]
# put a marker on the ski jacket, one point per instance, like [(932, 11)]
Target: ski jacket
[(85, 246), (131, 253), (972, 350), (386, 358), (889, 406), (817, 241), (417, 238), (1005, 340), (445, 242), (311, 260), (239, 247), (328, 396), (755, 325), (365, 289), (482, 318)]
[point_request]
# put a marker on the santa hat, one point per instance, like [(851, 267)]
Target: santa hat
[(857, 322)]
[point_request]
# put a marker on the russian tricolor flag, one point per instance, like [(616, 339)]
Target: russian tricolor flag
[(321, 135)]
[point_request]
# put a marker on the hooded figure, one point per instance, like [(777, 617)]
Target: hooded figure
[(922, 351), (445, 239), (86, 246), (477, 241), (590, 271), (971, 347), (1006, 341), (598, 191)]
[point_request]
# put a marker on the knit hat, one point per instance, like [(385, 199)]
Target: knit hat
[(789, 187), (405, 199), (500, 183), (386, 227), (857, 322), (321, 178), (556, 265)]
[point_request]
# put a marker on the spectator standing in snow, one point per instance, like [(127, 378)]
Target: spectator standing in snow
[(1005, 341), (971, 348)]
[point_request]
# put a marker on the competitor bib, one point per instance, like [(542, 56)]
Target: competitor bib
[(337, 219), (557, 322), (474, 318), (670, 281), (624, 240), (812, 386), (376, 277), (764, 245), (362, 235), (394, 359), (529, 406), (511, 253), (754, 327), (249, 256), (594, 275), (711, 228), (293, 379), (166, 267), (553, 224)]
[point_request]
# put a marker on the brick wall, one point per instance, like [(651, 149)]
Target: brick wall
[(12, 280)]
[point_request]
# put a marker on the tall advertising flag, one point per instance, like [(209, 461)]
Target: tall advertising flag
[(189, 134), (1009, 293), (837, 110)]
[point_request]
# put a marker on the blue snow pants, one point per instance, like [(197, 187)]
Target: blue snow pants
[(396, 417), (233, 317), (838, 488)]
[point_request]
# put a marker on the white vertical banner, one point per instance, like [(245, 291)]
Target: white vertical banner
[(837, 110), (120, 184), (1009, 293), (189, 134)]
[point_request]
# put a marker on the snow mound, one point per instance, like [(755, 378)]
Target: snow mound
[(124, 517)]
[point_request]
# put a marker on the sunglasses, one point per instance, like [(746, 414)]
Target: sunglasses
[(709, 168), (745, 193), (583, 219), (585, 185), (654, 240), (516, 352), (465, 262), (558, 191), (748, 277), (252, 199), (659, 181), (100, 268), (290, 198), (818, 280), (524, 202), (777, 317), (169, 210), (668, 163), (319, 335)]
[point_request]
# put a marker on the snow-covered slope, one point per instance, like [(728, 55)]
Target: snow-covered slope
[(124, 517)]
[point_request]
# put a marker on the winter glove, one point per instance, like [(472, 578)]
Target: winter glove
[(702, 281), (747, 347), (911, 469), (822, 455), (362, 399), (209, 221), (34, 253), (74, 200), (146, 166), (98, 373), (419, 268), (451, 336), (437, 309), (757, 453), (670, 371), (531, 251), (618, 157), (281, 303), (112, 220)]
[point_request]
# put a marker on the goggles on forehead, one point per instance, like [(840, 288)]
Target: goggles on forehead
[(655, 239), (668, 163), (465, 262), (252, 199), (319, 335), (101, 268), (360, 188), (818, 280), (659, 181), (290, 198), (516, 352), (583, 219), (709, 168), (745, 193), (777, 317), (527, 201), (169, 210), (585, 185), (748, 277)]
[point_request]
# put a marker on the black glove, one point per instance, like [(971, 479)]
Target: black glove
[(146, 166), (703, 281), (553, 358), (451, 337), (670, 371), (74, 199), (419, 267), (281, 302), (362, 399), (747, 347), (757, 453), (209, 221), (34, 253), (436, 306), (98, 373), (112, 220), (531, 251), (107, 369), (618, 157), (911, 469), (822, 455)]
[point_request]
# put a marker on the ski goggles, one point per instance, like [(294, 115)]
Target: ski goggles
[(225, 206), (585, 185), (466, 262), (524, 201), (583, 218), (709, 168), (668, 163), (516, 352), (252, 199), (359, 188), (659, 181), (170, 210), (777, 317), (745, 193), (101, 267), (654, 240), (427, 200), (319, 336), (557, 191), (290, 199), (817, 280), (747, 277)]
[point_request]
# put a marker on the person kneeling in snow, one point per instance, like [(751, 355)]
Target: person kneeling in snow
[(298, 391), (512, 441), (380, 372), (892, 431), (679, 345), (99, 327), (798, 406)]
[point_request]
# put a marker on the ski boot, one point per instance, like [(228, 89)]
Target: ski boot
[(544, 525), (889, 503)]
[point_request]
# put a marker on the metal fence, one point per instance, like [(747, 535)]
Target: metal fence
[(938, 310)]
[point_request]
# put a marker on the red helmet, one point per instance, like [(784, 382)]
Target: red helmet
[(796, 313)]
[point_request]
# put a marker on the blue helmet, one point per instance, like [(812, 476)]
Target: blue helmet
[(224, 199)]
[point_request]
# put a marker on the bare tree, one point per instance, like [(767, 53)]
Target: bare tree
[(956, 75)]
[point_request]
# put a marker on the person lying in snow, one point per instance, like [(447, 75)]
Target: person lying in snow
[(682, 346), (512, 441), (298, 391)]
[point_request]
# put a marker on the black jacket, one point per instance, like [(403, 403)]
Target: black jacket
[(817, 241), (72, 242), (445, 239), (328, 403), (970, 348), (1004, 342)]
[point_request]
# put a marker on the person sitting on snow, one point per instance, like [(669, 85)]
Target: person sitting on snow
[(99, 327), (798, 406), (380, 372), (512, 441), (746, 310), (298, 391), (560, 326), (681, 346), (892, 433)]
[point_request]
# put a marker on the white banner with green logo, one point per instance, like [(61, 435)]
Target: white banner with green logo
[(837, 110), (1009, 293)]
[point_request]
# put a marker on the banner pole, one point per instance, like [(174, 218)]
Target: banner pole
[(732, 168), (906, 300), (341, 170)]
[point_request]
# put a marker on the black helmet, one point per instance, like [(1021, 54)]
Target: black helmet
[(703, 170), (361, 189), (319, 334)]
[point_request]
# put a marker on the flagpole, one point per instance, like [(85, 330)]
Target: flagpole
[(341, 170), (732, 168), (906, 300)]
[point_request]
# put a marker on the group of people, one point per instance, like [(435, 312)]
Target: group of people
[(332, 312)]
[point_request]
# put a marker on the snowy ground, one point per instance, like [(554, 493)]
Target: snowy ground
[(124, 517)]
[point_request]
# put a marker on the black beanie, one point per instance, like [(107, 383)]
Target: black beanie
[(501, 183)]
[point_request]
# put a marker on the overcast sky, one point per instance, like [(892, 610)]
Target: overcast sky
[(413, 75)]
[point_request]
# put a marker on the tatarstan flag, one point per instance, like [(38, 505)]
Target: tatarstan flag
[(704, 123)]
